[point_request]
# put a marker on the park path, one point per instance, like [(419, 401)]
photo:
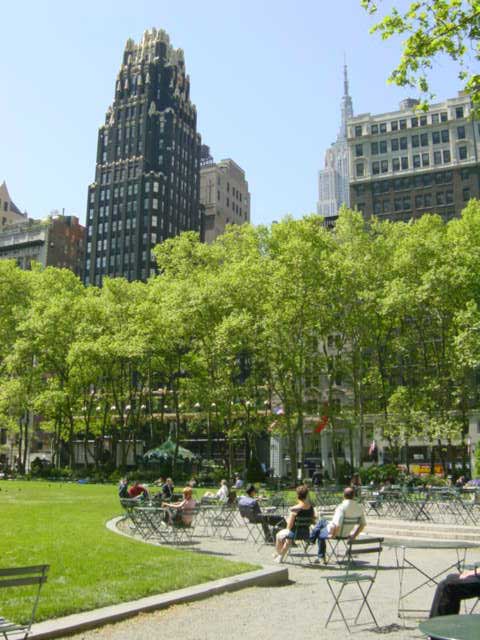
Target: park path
[(295, 610)]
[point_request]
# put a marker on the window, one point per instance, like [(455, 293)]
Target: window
[(359, 169), (155, 203), (384, 166), (425, 160), (462, 153), (394, 144), (437, 157), (358, 130), (424, 139), (403, 124), (394, 125), (375, 168), (446, 155), (440, 198), (423, 121), (404, 162), (466, 194), (374, 148), (459, 112), (445, 135), (427, 200), (359, 150), (449, 196), (436, 137), (374, 128), (461, 133), (396, 164), (414, 122), (443, 116), (397, 204), (383, 146), (377, 207), (383, 127), (435, 118), (415, 141), (416, 161), (465, 174), (418, 201), (403, 144), (407, 204)]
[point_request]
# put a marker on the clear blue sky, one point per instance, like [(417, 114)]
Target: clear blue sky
[(266, 77)]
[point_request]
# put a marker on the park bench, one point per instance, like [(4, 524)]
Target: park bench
[(32, 576)]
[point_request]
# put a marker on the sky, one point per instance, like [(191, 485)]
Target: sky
[(266, 78)]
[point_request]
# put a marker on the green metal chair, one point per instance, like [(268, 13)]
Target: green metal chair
[(354, 582), (35, 577)]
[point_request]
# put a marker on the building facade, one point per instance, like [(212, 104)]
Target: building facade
[(333, 180), (58, 241), (224, 195), (408, 162), (147, 177), (9, 212)]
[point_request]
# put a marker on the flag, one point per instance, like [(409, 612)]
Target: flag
[(279, 411), (372, 448), (321, 424)]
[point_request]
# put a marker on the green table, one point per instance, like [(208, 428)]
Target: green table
[(452, 627)]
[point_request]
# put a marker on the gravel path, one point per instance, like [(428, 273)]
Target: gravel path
[(296, 610)]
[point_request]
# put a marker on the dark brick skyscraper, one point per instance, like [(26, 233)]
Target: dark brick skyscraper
[(147, 175)]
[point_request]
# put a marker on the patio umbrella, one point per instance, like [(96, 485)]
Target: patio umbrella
[(166, 451)]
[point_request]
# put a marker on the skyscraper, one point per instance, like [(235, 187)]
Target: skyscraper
[(333, 180), (147, 176)]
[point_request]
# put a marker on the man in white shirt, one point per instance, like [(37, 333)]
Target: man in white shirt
[(349, 508)]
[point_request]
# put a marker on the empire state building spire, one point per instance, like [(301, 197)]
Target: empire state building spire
[(347, 106)]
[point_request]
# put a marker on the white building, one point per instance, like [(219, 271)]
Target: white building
[(333, 180)]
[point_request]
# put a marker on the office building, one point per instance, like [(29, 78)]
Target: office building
[(409, 162), (57, 241), (9, 212), (333, 180), (224, 195), (147, 177)]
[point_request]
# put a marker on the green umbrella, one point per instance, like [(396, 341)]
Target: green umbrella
[(166, 451)]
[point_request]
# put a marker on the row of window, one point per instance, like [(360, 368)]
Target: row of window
[(418, 161), (417, 140), (417, 182), (401, 124)]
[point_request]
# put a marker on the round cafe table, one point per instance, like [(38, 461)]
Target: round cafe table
[(426, 577), (456, 627)]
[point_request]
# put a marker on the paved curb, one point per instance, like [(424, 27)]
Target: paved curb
[(268, 576)]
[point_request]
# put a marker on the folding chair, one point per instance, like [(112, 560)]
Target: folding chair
[(341, 540), (178, 531), (254, 529), (301, 539), (363, 582), (34, 576), (223, 519)]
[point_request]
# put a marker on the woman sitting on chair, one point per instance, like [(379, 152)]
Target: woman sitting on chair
[(303, 509), (182, 511)]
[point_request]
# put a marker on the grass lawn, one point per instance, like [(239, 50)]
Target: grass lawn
[(63, 525)]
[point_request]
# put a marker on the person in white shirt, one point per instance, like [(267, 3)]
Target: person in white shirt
[(221, 495), (349, 508)]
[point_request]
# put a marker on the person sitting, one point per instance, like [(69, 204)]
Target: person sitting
[(452, 590), (356, 484), (250, 509), (123, 488), (168, 489), (222, 493), (349, 508), (137, 490), (304, 510), (238, 482), (182, 514)]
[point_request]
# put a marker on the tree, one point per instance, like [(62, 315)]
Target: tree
[(433, 28)]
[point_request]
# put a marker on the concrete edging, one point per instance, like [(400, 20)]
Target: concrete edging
[(268, 576)]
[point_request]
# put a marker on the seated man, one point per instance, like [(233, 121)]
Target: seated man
[(137, 490), (168, 489), (452, 590), (181, 514), (347, 509), (250, 509), (221, 495)]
